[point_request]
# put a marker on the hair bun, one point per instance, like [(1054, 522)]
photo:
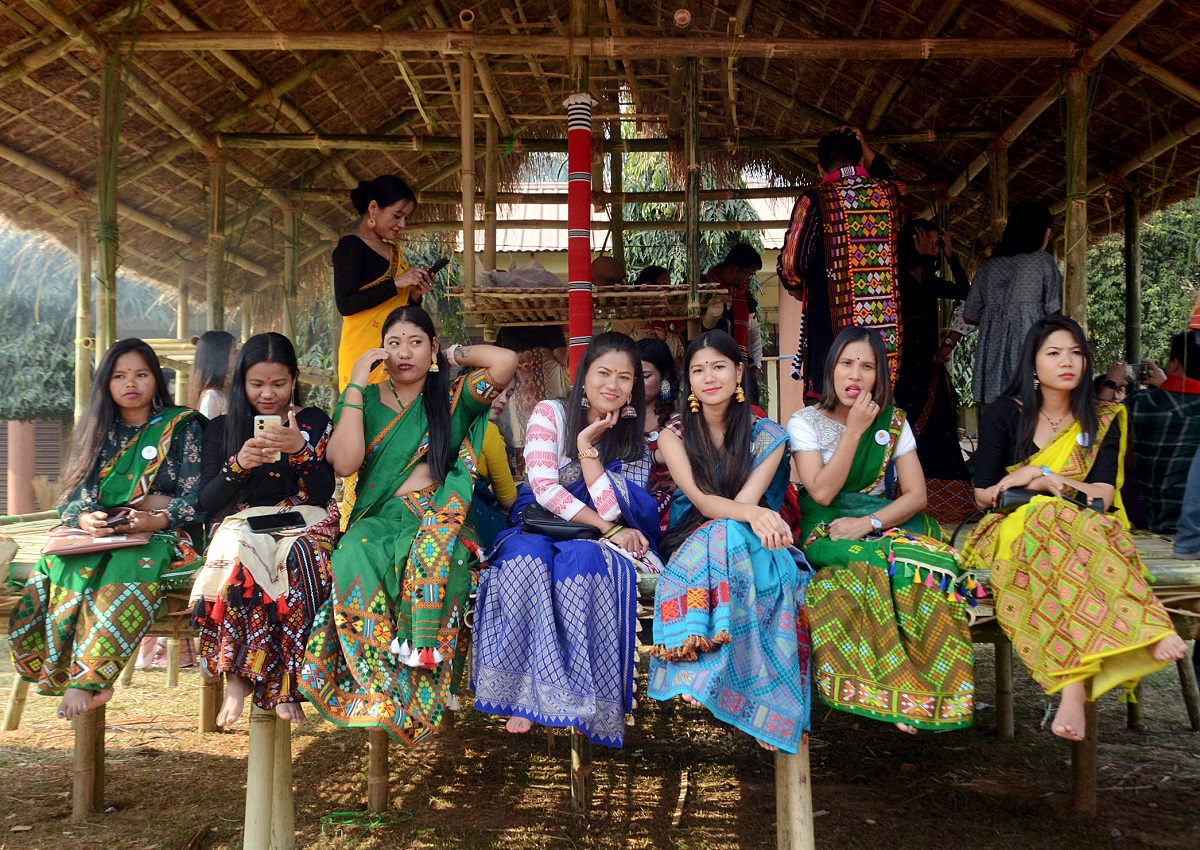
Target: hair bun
[(360, 196)]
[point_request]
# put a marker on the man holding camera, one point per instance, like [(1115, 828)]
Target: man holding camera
[(1164, 421)]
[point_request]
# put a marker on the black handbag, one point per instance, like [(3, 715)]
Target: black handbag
[(1010, 500), (538, 520)]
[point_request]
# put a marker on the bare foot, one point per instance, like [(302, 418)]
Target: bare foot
[(236, 690), (770, 748), (1069, 720), (691, 700), (1170, 648), (78, 701), (906, 729), (292, 712), (518, 725)]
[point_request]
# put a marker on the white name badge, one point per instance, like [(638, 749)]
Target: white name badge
[(149, 453), (1083, 439), (882, 437)]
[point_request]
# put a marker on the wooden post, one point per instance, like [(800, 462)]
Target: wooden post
[(291, 270), (466, 94), (1187, 680), (491, 173), (22, 457), (1005, 724), (1133, 275), (691, 207), (126, 678), (581, 772), (181, 333), (1133, 710), (172, 662), (1075, 280), (83, 317), (16, 704), (793, 800), (107, 229), (260, 769), (1084, 762), (579, 221), (616, 212), (283, 816), (87, 793), (215, 278), (208, 704), (378, 793)]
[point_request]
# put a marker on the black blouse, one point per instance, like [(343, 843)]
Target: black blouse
[(355, 264), (998, 447), (303, 478)]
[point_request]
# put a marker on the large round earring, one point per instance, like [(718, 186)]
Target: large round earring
[(739, 393), (585, 404), (629, 411), (434, 367), (664, 392), (371, 221), (693, 402)]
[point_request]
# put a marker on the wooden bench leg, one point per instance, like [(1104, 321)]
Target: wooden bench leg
[(126, 678), (1187, 680), (260, 770), (1133, 710), (208, 703), (87, 792), (283, 823), (1084, 762), (16, 704), (172, 662), (378, 792), (793, 800), (581, 772), (1005, 724)]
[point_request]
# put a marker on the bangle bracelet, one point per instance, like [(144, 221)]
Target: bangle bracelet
[(612, 532), (349, 404), (452, 355), (354, 386)]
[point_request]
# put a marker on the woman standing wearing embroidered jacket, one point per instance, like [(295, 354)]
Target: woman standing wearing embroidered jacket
[(257, 594)]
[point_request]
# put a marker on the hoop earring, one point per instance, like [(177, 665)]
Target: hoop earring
[(434, 367), (371, 221), (585, 404), (739, 394), (664, 391), (628, 411), (693, 402)]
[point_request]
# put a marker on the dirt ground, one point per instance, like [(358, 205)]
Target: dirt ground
[(478, 788)]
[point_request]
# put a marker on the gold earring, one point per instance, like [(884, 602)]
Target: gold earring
[(371, 221), (434, 367), (739, 393), (693, 402)]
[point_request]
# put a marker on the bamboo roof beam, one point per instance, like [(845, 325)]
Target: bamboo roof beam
[(635, 92), (450, 42), (600, 226), (150, 221), (901, 72), (551, 198), (44, 56), (487, 83), (535, 68), (1148, 67)]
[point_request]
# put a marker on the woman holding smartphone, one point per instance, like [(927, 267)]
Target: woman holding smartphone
[(265, 479)]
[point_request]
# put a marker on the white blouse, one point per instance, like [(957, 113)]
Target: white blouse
[(811, 430), (545, 454)]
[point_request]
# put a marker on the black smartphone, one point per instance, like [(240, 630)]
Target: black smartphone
[(275, 522), (1141, 372), (438, 266), (118, 521)]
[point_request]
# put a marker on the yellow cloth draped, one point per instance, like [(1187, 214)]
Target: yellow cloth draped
[(363, 331), (1071, 591)]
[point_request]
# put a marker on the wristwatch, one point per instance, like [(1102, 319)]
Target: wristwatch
[(590, 451), (876, 522)]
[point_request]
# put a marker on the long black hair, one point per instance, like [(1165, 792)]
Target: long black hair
[(1026, 230), (1029, 396), (384, 190), (101, 410), (210, 370), (440, 456), (624, 441), (906, 245), (657, 354), (239, 417), (727, 478), (881, 393)]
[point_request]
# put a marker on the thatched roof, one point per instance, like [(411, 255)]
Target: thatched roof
[(387, 68)]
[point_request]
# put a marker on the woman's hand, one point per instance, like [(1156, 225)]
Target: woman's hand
[(147, 521), (360, 373), (417, 279), (632, 541), (591, 435), (93, 523), (850, 528), (862, 414), (279, 439), (772, 531)]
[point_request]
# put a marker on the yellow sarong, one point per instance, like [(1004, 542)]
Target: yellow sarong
[(363, 331)]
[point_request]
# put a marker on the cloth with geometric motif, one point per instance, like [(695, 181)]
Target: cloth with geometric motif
[(1071, 592), (555, 625), (888, 616), (730, 628), (386, 649), (81, 617)]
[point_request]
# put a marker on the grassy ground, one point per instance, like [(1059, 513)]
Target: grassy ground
[(477, 788)]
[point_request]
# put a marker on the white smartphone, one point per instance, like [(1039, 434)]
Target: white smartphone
[(261, 424)]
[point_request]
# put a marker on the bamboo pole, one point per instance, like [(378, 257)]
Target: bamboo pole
[(999, 194), (1133, 275), (581, 772), (87, 792), (491, 169), (291, 269), (107, 233), (215, 278), (487, 82), (83, 317), (1005, 724), (172, 662), (181, 331), (126, 677), (207, 721), (467, 116), (558, 224), (1075, 279), (691, 207), (1191, 693), (247, 318), (260, 769), (1084, 762), (577, 46), (616, 212), (283, 814), (15, 706), (378, 793), (793, 800)]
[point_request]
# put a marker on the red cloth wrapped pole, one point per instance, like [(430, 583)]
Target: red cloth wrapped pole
[(579, 224)]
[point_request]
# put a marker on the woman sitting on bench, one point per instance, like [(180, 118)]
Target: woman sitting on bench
[(267, 568), (386, 650), (729, 625), (1070, 591), (83, 615), (554, 634), (889, 629)]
